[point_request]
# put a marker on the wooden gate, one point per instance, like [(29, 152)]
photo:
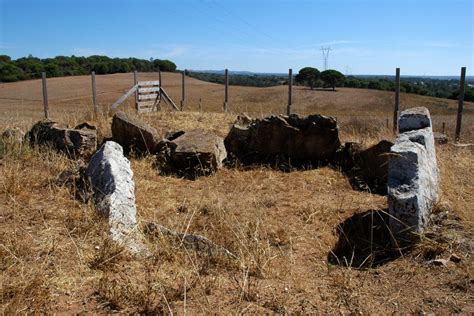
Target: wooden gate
[(148, 96)]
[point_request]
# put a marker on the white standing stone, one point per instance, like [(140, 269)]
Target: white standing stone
[(413, 177), (114, 193)]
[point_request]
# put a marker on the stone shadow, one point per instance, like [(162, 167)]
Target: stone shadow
[(366, 168), (365, 241)]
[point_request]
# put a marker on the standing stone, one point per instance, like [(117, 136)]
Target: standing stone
[(134, 135), (413, 179), (283, 138), (114, 193), (191, 153)]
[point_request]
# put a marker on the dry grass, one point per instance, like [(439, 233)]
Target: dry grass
[(55, 255)]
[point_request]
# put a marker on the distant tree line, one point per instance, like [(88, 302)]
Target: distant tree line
[(253, 80), (440, 88), (313, 78), (31, 67)]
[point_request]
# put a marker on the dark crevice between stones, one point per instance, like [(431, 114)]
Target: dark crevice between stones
[(365, 241), (366, 168)]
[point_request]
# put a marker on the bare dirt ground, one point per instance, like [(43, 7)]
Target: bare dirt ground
[(55, 255)]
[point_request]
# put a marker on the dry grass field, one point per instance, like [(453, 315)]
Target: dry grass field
[(56, 257), (71, 97)]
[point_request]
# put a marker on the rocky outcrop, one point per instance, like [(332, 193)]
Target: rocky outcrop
[(413, 180), (191, 154), (76, 143), (111, 179), (283, 139), (134, 135)]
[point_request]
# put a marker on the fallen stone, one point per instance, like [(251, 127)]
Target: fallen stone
[(367, 169), (112, 182), (76, 143), (311, 139), (13, 138), (190, 241), (191, 154), (413, 180), (440, 138), (134, 135)]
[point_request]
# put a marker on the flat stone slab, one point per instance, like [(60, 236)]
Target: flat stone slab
[(413, 176), (190, 241), (134, 135), (191, 153), (114, 193)]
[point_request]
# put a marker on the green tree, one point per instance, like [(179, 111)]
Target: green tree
[(5, 58), (164, 65), (308, 76), (10, 73), (332, 77)]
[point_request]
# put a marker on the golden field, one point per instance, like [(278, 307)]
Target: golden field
[(56, 257)]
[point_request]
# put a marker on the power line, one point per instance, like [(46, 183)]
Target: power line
[(325, 51), (252, 27)]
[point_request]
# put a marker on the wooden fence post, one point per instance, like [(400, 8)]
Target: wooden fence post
[(94, 94), (387, 122), (290, 88), (45, 96), (183, 91), (200, 105), (444, 126), (460, 104), (159, 76), (135, 81), (396, 111), (226, 95)]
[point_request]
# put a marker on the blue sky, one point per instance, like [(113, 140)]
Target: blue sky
[(366, 36)]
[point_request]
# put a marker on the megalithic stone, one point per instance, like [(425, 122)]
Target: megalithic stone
[(413, 176), (114, 194)]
